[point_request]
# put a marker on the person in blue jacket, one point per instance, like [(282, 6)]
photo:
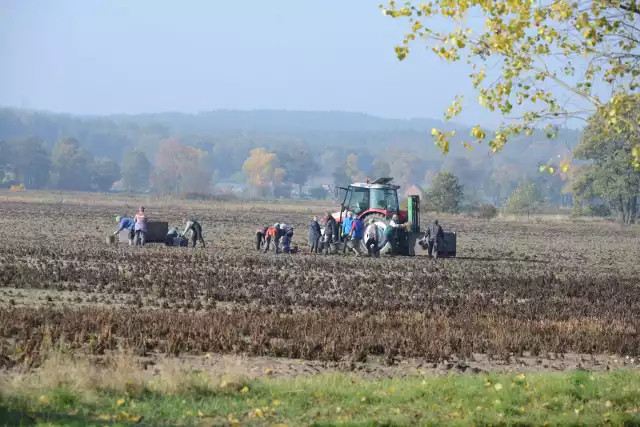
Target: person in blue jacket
[(356, 234), (346, 230), (126, 224)]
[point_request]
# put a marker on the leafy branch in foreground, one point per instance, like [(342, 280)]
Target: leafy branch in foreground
[(543, 61)]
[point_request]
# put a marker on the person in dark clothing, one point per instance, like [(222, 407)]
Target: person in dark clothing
[(330, 233), (172, 234), (434, 238), (174, 238), (261, 237), (314, 235), (196, 232), (287, 235)]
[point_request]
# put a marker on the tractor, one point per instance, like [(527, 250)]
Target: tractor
[(378, 200)]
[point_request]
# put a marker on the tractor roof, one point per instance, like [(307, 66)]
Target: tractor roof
[(377, 183), (369, 185)]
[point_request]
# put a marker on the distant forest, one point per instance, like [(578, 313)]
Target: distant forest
[(175, 152)]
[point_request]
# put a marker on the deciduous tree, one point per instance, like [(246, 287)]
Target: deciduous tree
[(380, 168), (541, 61), (181, 169), (406, 168), (609, 176), (29, 161), (299, 165), (352, 170), (445, 194), (136, 170), (71, 165), (262, 170), (104, 173)]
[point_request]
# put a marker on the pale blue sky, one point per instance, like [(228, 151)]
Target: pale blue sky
[(132, 56)]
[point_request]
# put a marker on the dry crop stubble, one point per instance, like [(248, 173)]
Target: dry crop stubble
[(516, 287)]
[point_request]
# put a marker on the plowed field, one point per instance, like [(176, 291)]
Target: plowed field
[(520, 293)]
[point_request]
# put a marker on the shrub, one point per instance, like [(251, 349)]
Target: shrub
[(487, 211), (526, 199), (599, 210)]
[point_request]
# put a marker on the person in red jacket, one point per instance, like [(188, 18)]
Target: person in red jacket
[(273, 233)]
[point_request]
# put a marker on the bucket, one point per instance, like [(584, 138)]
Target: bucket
[(111, 239)]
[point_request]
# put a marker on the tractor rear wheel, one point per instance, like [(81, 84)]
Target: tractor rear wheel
[(381, 221)]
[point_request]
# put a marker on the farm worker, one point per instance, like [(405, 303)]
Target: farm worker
[(395, 221), (434, 236), (330, 233), (261, 235), (171, 234), (196, 232), (355, 235), (314, 234), (174, 238), (273, 233), (390, 234), (140, 226), (371, 238), (287, 235), (346, 230), (126, 224)]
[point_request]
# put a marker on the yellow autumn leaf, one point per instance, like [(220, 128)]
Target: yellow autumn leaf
[(245, 389), (120, 402), (498, 387), (44, 399)]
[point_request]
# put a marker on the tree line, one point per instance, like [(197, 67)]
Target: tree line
[(269, 164)]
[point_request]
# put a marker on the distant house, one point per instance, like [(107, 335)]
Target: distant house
[(414, 190), (229, 188)]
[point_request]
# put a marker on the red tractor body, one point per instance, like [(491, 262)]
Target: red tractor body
[(379, 198)]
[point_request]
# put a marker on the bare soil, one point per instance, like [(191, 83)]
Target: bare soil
[(521, 295)]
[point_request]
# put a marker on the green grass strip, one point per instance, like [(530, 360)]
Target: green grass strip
[(576, 398)]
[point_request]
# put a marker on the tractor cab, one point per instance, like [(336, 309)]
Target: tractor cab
[(364, 199)]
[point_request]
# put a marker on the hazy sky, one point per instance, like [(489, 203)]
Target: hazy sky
[(132, 56)]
